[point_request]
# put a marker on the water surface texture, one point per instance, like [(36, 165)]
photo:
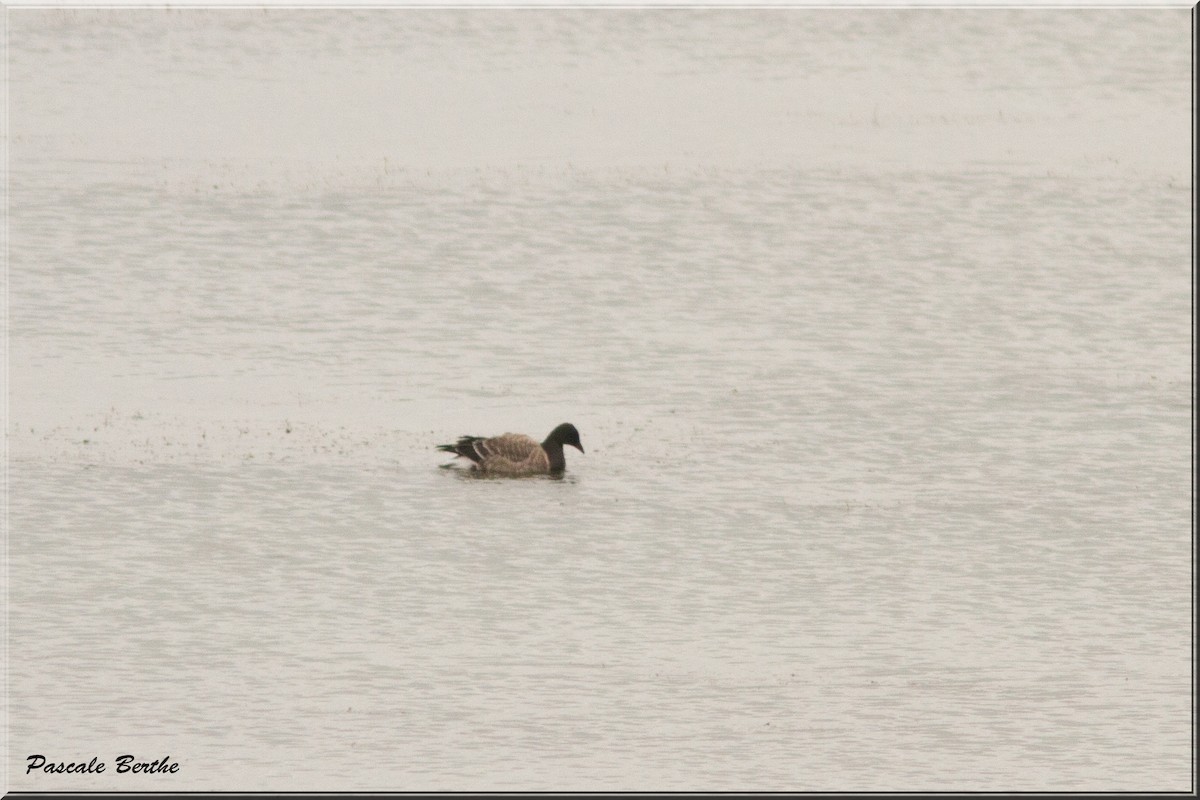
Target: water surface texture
[(875, 324)]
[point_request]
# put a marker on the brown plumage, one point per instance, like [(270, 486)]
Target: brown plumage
[(516, 453)]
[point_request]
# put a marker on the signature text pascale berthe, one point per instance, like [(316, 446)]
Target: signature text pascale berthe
[(125, 763)]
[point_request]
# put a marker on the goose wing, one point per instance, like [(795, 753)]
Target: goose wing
[(513, 448)]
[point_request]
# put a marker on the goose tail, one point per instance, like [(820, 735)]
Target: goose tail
[(464, 447)]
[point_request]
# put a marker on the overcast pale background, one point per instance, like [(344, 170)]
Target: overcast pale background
[(875, 324)]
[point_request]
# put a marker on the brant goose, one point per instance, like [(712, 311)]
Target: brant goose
[(516, 453)]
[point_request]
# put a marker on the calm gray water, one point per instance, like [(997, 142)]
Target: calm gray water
[(875, 324)]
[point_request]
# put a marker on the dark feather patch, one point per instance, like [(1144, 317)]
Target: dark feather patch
[(464, 447)]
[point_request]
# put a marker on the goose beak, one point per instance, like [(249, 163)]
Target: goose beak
[(580, 446)]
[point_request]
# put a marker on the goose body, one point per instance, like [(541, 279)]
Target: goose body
[(516, 453)]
